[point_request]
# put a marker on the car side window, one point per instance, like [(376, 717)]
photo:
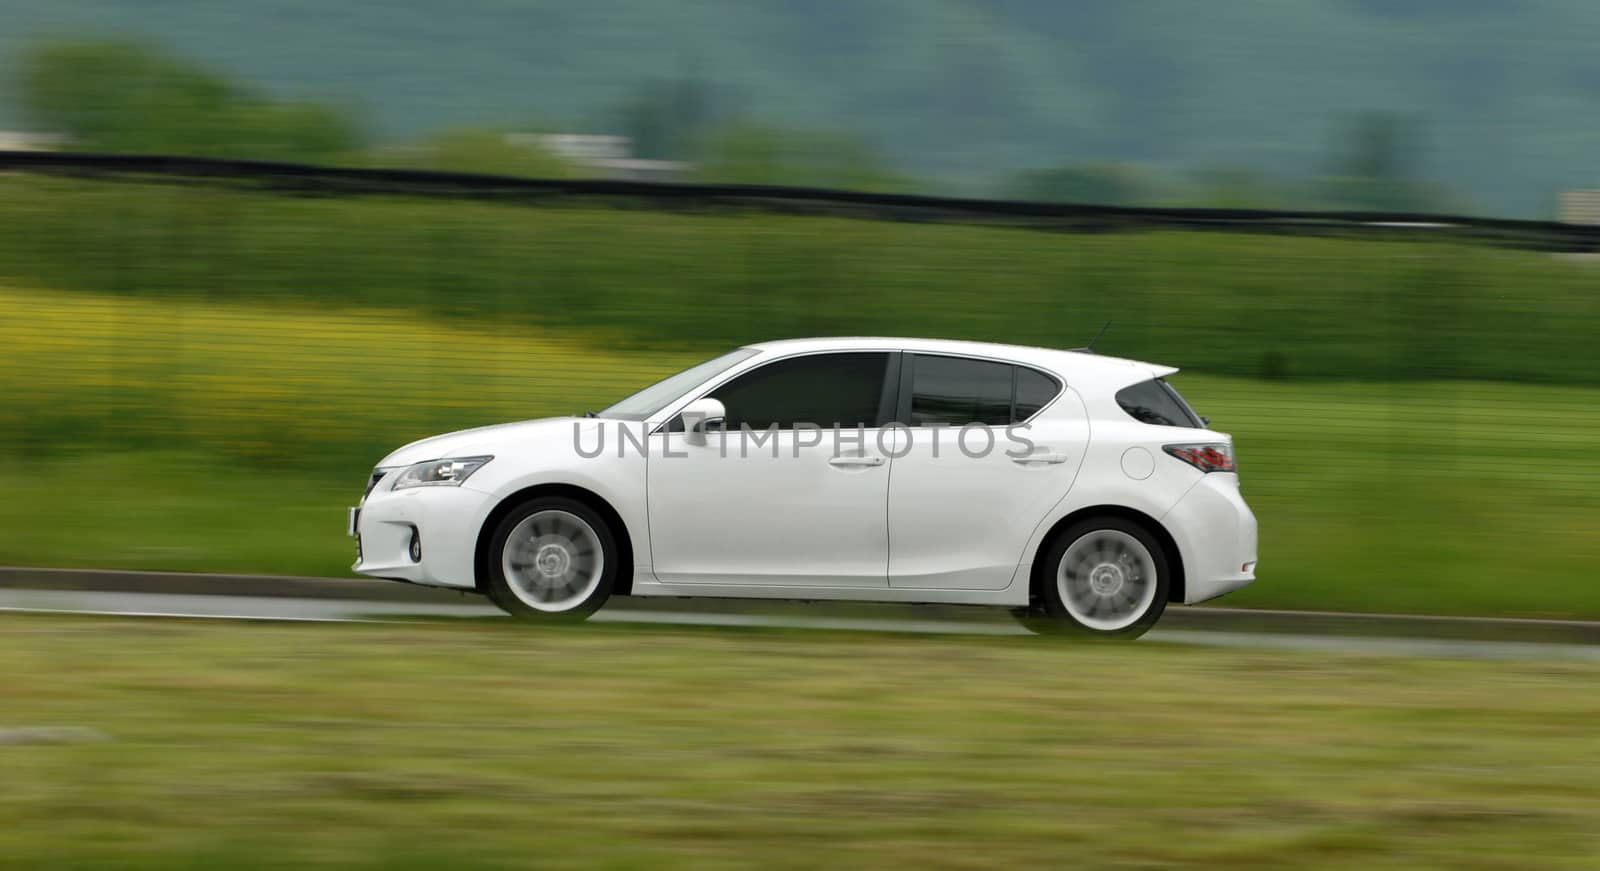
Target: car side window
[(828, 390), (956, 391), (1035, 390), (1155, 403)]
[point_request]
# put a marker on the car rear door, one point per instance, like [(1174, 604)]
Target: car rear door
[(773, 499), (990, 447)]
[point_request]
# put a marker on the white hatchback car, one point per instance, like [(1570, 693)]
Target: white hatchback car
[(1078, 490)]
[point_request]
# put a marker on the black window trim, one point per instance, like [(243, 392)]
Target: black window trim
[(902, 416), (889, 398)]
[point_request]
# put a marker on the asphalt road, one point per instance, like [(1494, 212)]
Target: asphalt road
[(1258, 633)]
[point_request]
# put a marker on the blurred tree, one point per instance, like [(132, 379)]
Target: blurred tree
[(121, 96), (1105, 184), (1382, 146), (750, 153), (1233, 188), (1377, 170), (746, 154), (481, 150), (289, 130), (667, 120)]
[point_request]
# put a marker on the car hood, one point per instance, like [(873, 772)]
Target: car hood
[(486, 440)]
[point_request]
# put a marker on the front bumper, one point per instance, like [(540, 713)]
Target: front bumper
[(445, 520), (1216, 535)]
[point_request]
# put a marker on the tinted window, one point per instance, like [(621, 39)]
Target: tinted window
[(1034, 391), (1156, 403), (955, 391), (824, 389)]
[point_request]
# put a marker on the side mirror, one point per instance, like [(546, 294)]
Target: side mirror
[(702, 416)]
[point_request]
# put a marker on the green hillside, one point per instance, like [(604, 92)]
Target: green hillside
[(1504, 98)]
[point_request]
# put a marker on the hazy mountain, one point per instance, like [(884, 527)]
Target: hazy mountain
[(1506, 96)]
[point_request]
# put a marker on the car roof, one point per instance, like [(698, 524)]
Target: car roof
[(1077, 367)]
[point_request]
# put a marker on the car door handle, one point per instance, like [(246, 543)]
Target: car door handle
[(1049, 457), (855, 461)]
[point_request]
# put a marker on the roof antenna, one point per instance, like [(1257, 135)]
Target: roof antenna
[(1089, 348)]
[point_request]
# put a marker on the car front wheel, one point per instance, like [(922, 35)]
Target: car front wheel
[(1105, 577), (551, 559)]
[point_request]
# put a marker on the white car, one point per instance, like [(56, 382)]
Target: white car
[(1078, 490)]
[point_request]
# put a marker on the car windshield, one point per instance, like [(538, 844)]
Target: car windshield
[(657, 396)]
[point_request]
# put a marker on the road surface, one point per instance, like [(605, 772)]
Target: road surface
[(969, 621)]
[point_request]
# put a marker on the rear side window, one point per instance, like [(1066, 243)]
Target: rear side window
[(956, 391), (826, 390), (1155, 402), (1034, 391)]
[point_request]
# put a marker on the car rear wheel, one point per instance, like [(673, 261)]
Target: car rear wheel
[(1104, 577), (551, 559)]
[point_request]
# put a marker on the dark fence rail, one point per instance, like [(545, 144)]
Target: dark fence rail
[(313, 179)]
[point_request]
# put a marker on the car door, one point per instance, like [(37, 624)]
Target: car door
[(792, 491), (968, 488)]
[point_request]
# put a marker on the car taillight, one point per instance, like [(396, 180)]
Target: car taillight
[(1206, 458)]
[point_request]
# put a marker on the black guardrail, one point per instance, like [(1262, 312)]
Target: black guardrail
[(336, 180)]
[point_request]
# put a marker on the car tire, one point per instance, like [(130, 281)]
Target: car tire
[(1102, 578), (552, 560)]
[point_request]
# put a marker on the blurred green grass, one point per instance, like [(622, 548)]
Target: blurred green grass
[(1458, 497), (478, 746), (1234, 304), (285, 384), (163, 434)]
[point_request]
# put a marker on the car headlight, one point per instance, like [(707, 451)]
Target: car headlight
[(439, 473)]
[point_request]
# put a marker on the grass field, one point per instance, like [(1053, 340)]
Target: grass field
[(295, 385), (1236, 304), (160, 434), (475, 745)]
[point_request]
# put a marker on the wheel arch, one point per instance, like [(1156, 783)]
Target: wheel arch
[(480, 560), (1177, 590)]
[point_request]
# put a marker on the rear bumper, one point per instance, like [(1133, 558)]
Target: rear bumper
[(1216, 536), (445, 520)]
